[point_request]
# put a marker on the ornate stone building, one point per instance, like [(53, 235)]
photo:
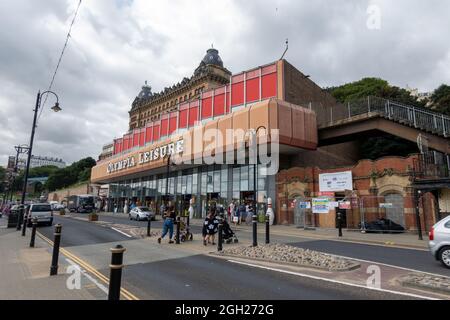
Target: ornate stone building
[(149, 106)]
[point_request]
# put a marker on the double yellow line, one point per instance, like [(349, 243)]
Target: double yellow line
[(125, 293)]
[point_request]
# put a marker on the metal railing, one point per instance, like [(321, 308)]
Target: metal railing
[(420, 118), (432, 165)]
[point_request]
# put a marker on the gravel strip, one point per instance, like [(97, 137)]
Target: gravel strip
[(294, 256), (425, 281)]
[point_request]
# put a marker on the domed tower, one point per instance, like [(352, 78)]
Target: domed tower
[(146, 91), (212, 63)]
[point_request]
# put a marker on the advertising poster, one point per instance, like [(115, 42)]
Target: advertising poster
[(320, 205), (335, 182)]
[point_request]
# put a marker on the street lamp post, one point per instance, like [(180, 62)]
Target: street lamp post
[(418, 222), (167, 177), (255, 188), (19, 150), (55, 108), (255, 167)]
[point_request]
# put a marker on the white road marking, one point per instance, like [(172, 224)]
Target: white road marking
[(125, 234), (332, 281), (87, 275), (388, 265)]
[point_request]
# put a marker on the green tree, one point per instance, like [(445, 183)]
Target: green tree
[(378, 146), (440, 100), (2, 179), (79, 171)]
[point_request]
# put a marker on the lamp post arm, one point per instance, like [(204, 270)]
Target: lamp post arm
[(48, 91)]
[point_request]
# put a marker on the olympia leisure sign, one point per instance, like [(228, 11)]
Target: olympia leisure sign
[(146, 157)]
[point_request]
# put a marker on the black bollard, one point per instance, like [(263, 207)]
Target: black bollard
[(19, 220), (188, 220), (149, 226), (56, 243), (178, 230), (255, 239), (220, 240), (33, 232), (26, 221), (115, 275), (267, 229), (340, 224)]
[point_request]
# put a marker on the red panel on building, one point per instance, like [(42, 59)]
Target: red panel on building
[(228, 104), (173, 122), (164, 125), (206, 108), (252, 91), (125, 142), (183, 115), (142, 138), (136, 134), (219, 104), (119, 145), (149, 133), (193, 113), (237, 94), (156, 127), (269, 86)]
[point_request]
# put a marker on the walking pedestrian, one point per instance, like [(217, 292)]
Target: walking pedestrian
[(169, 218), (210, 227)]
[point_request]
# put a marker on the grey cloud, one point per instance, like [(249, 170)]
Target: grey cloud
[(115, 46)]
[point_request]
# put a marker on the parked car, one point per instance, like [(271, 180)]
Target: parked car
[(141, 213), (383, 226), (440, 241), (43, 212)]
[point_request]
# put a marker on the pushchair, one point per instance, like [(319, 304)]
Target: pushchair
[(228, 234), (185, 233)]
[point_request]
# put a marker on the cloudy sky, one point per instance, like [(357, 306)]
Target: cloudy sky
[(118, 44)]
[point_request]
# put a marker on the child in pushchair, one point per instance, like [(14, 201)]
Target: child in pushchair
[(228, 235), (185, 233)]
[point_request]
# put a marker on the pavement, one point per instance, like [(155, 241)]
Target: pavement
[(24, 272)]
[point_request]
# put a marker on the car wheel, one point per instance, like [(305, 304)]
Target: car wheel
[(444, 256)]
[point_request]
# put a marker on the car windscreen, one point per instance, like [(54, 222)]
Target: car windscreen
[(41, 208), (143, 208)]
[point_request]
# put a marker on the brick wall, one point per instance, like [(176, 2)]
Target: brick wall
[(61, 195), (372, 181)]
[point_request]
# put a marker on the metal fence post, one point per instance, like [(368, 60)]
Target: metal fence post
[(255, 237), (368, 104), (56, 244), (443, 126), (149, 226), (349, 111), (178, 230), (220, 240), (115, 276), (267, 229)]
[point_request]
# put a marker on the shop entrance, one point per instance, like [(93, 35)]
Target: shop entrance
[(248, 197)]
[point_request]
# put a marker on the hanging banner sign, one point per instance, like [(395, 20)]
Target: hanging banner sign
[(320, 205), (345, 205), (334, 182), (305, 205), (333, 204)]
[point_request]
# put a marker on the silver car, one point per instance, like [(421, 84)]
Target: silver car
[(141, 213), (440, 241)]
